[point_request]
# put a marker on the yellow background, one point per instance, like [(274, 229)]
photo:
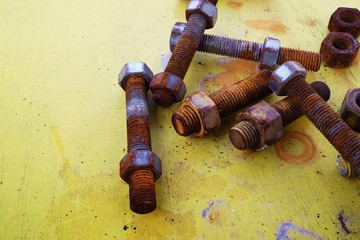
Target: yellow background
[(63, 128)]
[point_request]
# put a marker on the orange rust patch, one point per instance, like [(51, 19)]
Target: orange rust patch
[(234, 4), (289, 154), (307, 22), (268, 25)]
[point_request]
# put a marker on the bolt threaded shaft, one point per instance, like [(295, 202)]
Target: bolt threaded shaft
[(231, 47), (228, 100), (337, 132), (142, 191), (245, 135), (309, 60), (138, 131), (141, 182), (252, 51)]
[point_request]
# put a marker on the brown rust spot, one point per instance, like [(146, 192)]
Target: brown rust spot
[(234, 4), (289, 153), (268, 25), (307, 22)]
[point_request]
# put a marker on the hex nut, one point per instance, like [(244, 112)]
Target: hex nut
[(206, 111), (171, 83), (284, 74), (339, 49), (269, 57), (350, 109), (205, 8), (268, 122), (140, 160), (134, 69), (175, 35), (345, 20)]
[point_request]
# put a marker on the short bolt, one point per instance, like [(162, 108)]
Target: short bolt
[(247, 50), (187, 120), (201, 14), (140, 168), (245, 133), (289, 79)]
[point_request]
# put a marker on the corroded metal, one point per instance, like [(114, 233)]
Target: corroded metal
[(182, 55), (189, 120), (246, 133), (350, 109), (345, 20)]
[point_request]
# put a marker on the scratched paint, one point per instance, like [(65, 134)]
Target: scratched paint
[(295, 147), (234, 5), (307, 22), (290, 230), (268, 25)]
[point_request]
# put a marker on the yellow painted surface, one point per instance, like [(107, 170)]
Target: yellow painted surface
[(63, 128)]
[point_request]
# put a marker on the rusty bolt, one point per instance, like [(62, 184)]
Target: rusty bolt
[(140, 168), (249, 131), (350, 109), (200, 14), (337, 132), (269, 56), (339, 49), (200, 114), (345, 20)]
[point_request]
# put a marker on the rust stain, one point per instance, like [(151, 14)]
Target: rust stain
[(307, 22), (295, 147), (234, 4), (268, 25)]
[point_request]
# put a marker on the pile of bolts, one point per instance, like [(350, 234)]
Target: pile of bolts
[(283, 71)]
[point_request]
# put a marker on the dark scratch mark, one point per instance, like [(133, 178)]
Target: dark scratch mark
[(342, 222)]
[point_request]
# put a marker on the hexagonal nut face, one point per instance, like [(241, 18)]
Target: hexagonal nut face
[(267, 121), (339, 49), (269, 57), (140, 160), (205, 8), (176, 32), (345, 20), (350, 109), (206, 111), (134, 69), (284, 74), (170, 83)]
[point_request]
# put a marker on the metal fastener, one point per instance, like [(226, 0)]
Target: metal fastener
[(140, 168), (249, 133), (200, 114), (168, 87), (289, 79), (268, 54)]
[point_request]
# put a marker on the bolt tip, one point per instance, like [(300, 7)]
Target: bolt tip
[(244, 135), (180, 124), (237, 138), (163, 98), (143, 207), (322, 89)]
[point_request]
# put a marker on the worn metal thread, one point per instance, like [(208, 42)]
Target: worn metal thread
[(245, 132), (142, 191), (252, 51), (142, 182), (138, 131), (337, 132), (227, 100)]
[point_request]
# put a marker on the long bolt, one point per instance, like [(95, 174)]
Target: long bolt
[(245, 135), (337, 132), (183, 53), (248, 50), (227, 100), (141, 182)]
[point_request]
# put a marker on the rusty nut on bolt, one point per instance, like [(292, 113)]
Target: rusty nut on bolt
[(350, 109), (339, 49), (284, 74), (174, 86), (206, 110), (345, 20), (205, 8), (140, 160), (270, 54), (134, 69), (268, 123)]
